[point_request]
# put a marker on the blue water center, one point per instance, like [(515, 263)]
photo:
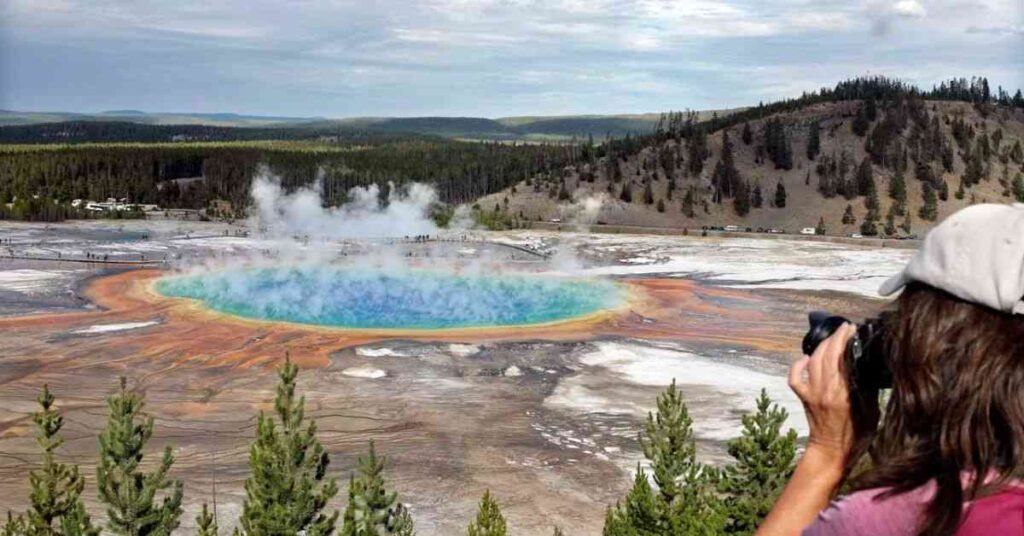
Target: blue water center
[(406, 299)]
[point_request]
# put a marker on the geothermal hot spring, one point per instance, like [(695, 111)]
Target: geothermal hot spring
[(360, 298)]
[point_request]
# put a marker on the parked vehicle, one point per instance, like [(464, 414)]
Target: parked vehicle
[(856, 235), (732, 228), (808, 231)]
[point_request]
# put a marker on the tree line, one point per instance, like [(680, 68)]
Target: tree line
[(289, 487), (150, 173)]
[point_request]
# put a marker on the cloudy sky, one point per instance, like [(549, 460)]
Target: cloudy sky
[(488, 58)]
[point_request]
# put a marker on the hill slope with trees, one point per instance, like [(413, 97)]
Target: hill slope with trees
[(872, 156)]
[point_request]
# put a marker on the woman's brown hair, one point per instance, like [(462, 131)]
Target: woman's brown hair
[(956, 407)]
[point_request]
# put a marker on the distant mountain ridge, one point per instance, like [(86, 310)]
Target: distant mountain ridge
[(48, 127)]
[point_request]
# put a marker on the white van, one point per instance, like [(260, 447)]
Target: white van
[(732, 228), (808, 230)]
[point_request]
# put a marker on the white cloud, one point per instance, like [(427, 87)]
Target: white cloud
[(504, 57), (909, 8)]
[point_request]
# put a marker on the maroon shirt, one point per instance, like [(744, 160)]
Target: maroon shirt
[(859, 514)]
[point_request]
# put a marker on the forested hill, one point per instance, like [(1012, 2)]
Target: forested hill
[(114, 128), (870, 156)]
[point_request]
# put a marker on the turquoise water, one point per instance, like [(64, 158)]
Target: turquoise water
[(409, 299)]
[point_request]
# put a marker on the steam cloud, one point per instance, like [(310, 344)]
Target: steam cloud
[(301, 213)]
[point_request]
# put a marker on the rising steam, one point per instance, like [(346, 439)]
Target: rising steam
[(278, 214)]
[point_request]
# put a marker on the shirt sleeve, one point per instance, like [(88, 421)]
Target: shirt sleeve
[(860, 514)]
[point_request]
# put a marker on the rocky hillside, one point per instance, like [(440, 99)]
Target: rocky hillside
[(930, 147)]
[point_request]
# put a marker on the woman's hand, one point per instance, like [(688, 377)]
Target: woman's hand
[(826, 399), (826, 396)]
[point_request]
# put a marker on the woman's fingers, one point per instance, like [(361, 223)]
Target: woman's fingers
[(840, 340), (796, 377)]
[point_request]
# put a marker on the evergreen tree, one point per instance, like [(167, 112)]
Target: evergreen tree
[(688, 202), (661, 205), (697, 147), (780, 195), (848, 217), (648, 194), (865, 177), (1017, 152), (814, 141), (943, 190), (685, 500), (563, 192), (747, 135), (930, 210), (975, 169), (206, 524), (288, 489), (890, 221), (820, 229), (898, 192), (558, 532), (860, 122), (56, 504), (741, 201), (372, 509), (765, 460), (489, 521), (627, 193), (960, 191), (1018, 187), (129, 493), (757, 198), (14, 526), (906, 225)]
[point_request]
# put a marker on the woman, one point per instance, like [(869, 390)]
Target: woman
[(948, 457)]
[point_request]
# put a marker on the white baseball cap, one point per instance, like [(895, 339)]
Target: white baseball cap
[(976, 254)]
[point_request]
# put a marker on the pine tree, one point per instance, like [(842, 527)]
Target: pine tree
[(130, 493), (865, 177), (974, 172), (648, 194), (627, 193), (661, 205), (563, 192), (820, 229), (890, 221), (814, 141), (848, 217), (741, 201), (765, 460), (489, 521), (288, 488), (898, 192), (860, 122), (14, 526), (780, 195), (906, 225), (558, 532), (684, 499), (56, 504), (960, 191), (372, 509), (1018, 187), (930, 210), (206, 525), (757, 198), (747, 135), (688, 202)]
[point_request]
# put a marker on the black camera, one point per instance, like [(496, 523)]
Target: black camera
[(865, 362)]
